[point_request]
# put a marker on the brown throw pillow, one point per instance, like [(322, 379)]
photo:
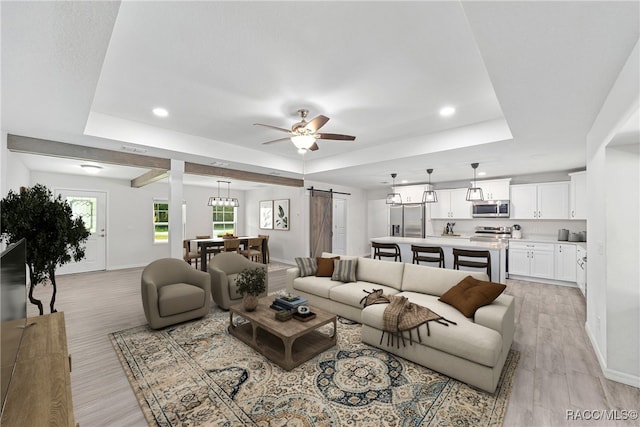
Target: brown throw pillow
[(471, 294), (325, 267)]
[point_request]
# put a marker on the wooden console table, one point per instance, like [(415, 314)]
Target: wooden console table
[(40, 390)]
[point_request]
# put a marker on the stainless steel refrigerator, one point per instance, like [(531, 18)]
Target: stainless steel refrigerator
[(407, 220)]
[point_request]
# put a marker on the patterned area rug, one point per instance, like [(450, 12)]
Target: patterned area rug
[(197, 374)]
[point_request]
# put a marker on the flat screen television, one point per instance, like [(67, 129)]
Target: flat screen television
[(13, 308)]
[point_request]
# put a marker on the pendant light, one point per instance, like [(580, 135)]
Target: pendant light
[(429, 196), (474, 193), (221, 201), (394, 198)]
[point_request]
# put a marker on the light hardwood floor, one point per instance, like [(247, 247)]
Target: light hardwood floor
[(557, 371)]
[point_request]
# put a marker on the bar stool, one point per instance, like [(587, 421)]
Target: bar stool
[(418, 256), (387, 250), (466, 253)]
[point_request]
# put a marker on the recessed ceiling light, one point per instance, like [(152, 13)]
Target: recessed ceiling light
[(93, 169), (160, 112), (404, 181), (447, 111), (482, 173)]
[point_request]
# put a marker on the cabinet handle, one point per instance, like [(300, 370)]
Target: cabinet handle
[(573, 214), (539, 214)]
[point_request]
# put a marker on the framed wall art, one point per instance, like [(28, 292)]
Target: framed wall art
[(266, 214), (281, 214)]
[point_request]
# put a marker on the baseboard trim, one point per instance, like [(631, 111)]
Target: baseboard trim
[(545, 281), (611, 374)]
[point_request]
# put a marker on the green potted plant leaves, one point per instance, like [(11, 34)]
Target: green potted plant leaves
[(251, 283)]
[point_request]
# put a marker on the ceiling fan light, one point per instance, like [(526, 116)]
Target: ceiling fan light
[(303, 141)]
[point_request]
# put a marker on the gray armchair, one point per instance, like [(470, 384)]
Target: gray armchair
[(174, 292), (224, 269)]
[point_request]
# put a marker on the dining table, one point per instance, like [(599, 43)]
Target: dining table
[(204, 244)]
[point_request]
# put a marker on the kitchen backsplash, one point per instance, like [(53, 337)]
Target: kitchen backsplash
[(531, 229)]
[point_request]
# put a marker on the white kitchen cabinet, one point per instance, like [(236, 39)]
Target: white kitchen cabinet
[(496, 189), (452, 204), (578, 195), (531, 259), (549, 200), (565, 262), (411, 193)]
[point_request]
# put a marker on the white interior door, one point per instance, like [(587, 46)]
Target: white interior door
[(91, 207), (339, 238)]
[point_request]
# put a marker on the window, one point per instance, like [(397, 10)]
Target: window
[(224, 220), (85, 208), (160, 221)]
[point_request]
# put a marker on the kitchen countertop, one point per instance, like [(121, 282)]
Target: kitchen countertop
[(461, 242), (547, 240)]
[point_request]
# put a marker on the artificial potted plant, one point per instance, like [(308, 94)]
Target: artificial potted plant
[(54, 235), (251, 283)]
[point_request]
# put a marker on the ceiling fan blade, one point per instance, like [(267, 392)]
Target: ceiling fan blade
[(273, 127), (277, 140), (314, 147), (335, 136), (316, 123)]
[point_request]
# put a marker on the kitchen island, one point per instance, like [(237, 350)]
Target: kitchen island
[(498, 251)]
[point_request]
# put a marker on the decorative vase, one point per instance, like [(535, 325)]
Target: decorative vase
[(250, 302)]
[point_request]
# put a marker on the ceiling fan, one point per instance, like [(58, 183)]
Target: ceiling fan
[(305, 133)]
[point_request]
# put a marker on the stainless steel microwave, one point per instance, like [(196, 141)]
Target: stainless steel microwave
[(491, 209)]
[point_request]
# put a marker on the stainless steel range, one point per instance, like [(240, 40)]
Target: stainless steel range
[(491, 234)]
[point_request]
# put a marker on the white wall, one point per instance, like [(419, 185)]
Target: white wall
[(284, 246), (13, 173), (129, 214), (613, 296), (623, 271)]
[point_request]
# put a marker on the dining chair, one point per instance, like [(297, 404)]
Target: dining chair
[(188, 254), (210, 250), (231, 245), (253, 250), (265, 247)]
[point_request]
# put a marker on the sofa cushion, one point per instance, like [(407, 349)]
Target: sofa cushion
[(313, 285), (179, 298), (307, 266), (433, 280), (325, 266), (344, 270), (467, 340), (352, 293), (387, 273), (471, 294)]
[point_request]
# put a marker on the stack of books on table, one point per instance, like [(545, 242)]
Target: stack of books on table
[(288, 302)]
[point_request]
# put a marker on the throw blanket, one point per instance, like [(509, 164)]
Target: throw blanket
[(401, 315)]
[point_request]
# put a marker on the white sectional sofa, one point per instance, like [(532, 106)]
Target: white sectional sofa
[(473, 351)]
